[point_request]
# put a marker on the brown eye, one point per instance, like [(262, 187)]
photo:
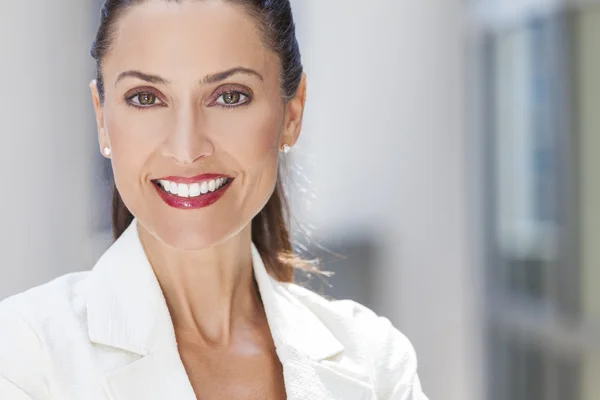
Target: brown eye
[(230, 99), (144, 99)]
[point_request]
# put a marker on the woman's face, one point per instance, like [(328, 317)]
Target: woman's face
[(194, 117)]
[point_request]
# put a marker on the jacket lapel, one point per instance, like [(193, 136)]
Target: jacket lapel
[(306, 347), (307, 379), (159, 375), (127, 311)]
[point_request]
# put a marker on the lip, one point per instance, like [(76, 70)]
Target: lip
[(192, 203), (193, 179)]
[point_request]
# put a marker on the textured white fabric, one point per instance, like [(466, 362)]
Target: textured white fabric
[(107, 334)]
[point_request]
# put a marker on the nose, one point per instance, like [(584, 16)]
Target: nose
[(187, 142)]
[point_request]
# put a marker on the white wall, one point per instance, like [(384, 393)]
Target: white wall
[(387, 151), (46, 122)]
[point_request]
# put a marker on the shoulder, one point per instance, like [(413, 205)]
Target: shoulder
[(28, 321), (369, 338), (350, 319), (42, 304)]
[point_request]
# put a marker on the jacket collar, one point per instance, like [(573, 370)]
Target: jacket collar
[(127, 310)]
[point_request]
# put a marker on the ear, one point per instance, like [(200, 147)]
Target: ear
[(294, 115), (103, 140)]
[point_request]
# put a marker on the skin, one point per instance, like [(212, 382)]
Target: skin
[(201, 257)]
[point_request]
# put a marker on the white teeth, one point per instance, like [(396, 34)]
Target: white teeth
[(195, 190), (192, 190), (183, 190), (165, 185)]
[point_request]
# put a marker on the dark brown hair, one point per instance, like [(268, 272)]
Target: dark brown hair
[(270, 227)]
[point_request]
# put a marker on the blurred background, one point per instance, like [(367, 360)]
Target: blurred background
[(449, 154)]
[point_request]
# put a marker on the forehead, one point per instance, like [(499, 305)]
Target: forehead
[(188, 38)]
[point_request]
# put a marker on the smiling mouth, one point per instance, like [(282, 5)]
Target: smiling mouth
[(192, 190)]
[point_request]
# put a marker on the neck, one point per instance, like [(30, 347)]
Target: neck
[(209, 292)]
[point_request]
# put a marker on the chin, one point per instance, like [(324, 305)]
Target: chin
[(193, 237)]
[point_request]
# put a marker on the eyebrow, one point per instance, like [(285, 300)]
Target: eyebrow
[(221, 76), (155, 79), (207, 80)]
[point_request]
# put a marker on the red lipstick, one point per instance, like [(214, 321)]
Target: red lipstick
[(193, 179), (190, 203)]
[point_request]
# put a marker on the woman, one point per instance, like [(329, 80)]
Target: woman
[(195, 101)]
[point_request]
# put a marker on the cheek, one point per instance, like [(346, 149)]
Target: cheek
[(134, 136), (249, 136)]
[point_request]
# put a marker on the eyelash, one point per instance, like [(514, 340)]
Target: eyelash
[(229, 90), (129, 98), (248, 98)]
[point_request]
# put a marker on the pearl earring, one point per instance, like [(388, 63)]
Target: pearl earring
[(286, 148), (107, 151)]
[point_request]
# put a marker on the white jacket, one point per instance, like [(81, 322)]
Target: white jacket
[(107, 334)]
